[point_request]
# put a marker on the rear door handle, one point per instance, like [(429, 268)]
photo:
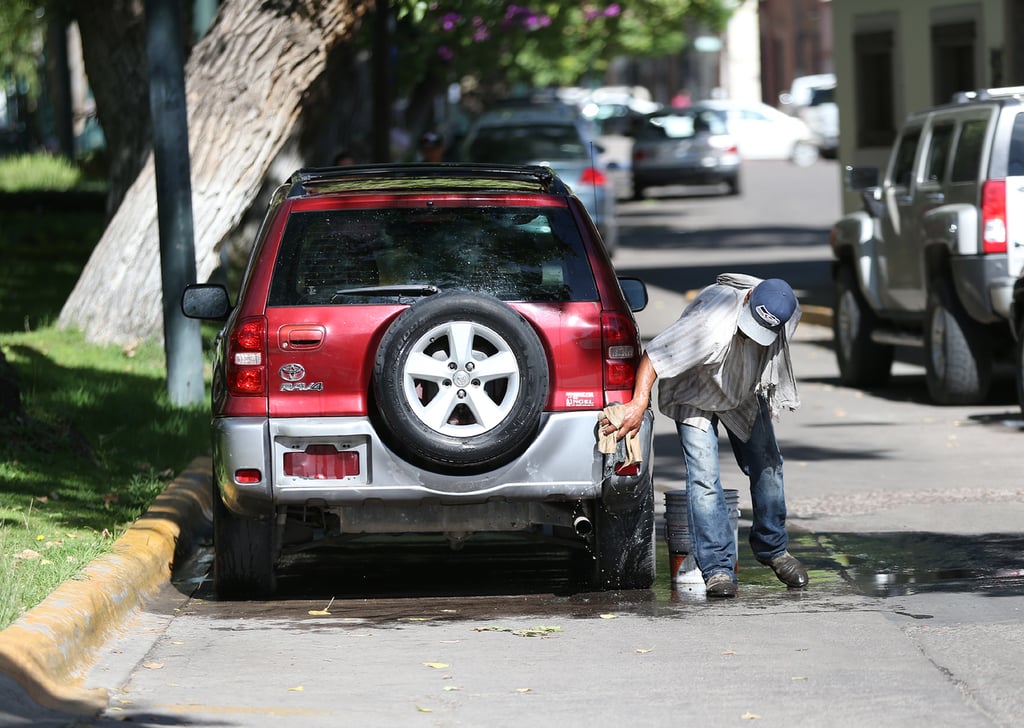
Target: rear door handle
[(301, 336)]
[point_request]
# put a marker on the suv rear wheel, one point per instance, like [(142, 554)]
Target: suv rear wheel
[(958, 357), (244, 554), (460, 380), (862, 361), (625, 533)]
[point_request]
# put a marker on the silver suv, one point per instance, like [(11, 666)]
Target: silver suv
[(932, 258)]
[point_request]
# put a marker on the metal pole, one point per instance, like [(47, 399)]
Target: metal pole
[(166, 63)]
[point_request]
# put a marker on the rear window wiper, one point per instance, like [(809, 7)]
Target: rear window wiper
[(402, 290)]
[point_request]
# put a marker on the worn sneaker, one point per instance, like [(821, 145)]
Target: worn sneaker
[(789, 570), (721, 586)]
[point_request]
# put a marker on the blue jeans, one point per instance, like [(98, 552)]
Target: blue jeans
[(711, 535)]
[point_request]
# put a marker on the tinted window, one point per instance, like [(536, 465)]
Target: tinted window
[(903, 163), (516, 144), (938, 151), (517, 254), (680, 126), (967, 158), (1016, 162)]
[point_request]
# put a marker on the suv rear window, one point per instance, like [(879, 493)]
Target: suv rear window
[(513, 144), (340, 256), (967, 159), (679, 126)]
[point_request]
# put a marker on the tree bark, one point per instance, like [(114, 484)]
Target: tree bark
[(247, 84)]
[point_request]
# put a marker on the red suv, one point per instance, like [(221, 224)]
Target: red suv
[(425, 349)]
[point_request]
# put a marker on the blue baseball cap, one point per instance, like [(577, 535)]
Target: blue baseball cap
[(771, 304)]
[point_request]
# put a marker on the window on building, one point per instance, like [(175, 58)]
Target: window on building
[(953, 54), (874, 72)]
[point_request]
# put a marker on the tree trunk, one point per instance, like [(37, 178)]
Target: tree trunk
[(247, 83), (114, 51)]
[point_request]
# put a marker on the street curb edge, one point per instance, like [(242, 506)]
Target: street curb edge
[(47, 648)]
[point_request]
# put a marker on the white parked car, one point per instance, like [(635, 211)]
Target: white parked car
[(764, 132)]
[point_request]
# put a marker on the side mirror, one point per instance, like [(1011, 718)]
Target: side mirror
[(858, 179), (206, 301), (635, 291)]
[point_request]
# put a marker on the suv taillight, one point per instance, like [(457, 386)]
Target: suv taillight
[(591, 176), (618, 346), (993, 216), (247, 357)]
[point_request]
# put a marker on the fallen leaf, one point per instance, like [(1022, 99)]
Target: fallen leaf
[(108, 499), (607, 616), (522, 690), (798, 677), (449, 688), (436, 665), (424, 710), (729, 652), (153, 665), (541, 631), (322, 612), (750, 716), (28, 555), (296, 689), (642, 650), (42, 499)]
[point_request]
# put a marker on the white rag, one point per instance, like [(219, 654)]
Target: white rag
[(607, 443)]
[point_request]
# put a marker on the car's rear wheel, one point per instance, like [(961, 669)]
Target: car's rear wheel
[(862, 361), (958, 354), (460, 380), (244, 553), (624, 541), (1018, 361)]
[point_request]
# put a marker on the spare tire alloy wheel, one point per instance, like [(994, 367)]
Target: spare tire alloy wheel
[(461, 380)]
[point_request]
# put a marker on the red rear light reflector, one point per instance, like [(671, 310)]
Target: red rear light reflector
[(248, 476), (246, 357), (321, 462), (627, 470)]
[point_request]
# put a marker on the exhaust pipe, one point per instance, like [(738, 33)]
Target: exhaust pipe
[(582, 525)]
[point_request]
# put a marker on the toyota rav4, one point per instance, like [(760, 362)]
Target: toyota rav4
[(425, 349)]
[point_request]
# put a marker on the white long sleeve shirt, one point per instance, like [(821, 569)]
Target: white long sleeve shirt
[(706, 367)]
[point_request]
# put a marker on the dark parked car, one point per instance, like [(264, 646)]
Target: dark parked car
[(683, 147), (425, 349)]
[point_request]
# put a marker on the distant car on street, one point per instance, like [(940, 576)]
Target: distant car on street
[(559, 140), (683, 147), (764, 132)]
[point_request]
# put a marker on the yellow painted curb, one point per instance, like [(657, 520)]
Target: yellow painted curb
[(47, 648)]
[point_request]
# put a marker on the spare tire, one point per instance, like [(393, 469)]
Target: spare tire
[(460, 380)]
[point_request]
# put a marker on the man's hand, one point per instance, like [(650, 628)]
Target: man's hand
[(633, 417)]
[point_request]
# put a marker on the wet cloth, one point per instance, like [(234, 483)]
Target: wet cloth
[(706, 369), (607, 444)]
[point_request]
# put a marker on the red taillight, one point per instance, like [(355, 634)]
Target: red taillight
[(591, 176), (248, 476), (619, 349), (321, 462), (247, 357), (993, 216)]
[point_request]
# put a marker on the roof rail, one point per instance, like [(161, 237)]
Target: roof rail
[(312, 176), (962, 97)]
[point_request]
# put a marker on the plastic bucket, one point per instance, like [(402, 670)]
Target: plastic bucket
[(682, 564)]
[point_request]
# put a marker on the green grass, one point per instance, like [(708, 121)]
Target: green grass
[(34, 172), (99, 438)]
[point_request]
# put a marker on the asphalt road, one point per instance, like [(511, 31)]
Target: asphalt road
[(907, 514)]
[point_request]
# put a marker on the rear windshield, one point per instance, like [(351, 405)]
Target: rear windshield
[(368, 256), (514, 144), (679, 126)]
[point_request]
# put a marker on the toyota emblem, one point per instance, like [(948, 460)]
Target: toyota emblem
[(292, 372)]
